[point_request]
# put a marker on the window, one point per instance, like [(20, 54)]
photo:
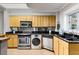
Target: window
[(73, 21)]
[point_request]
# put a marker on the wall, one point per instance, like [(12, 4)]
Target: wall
[(32, 13), (28, 12), (1, 22), (57, 19), (6, 21)]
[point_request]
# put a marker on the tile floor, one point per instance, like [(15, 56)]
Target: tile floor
[(29, 52)]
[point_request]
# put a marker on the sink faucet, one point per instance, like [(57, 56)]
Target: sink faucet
[(73, 35)]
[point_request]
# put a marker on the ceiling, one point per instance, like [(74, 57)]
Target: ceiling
[(47, 6), (15, 5), (38, 7)]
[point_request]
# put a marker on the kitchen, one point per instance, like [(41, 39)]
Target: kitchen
[(39, 28)]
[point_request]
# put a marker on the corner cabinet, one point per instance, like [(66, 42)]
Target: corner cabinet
[(60, 47)]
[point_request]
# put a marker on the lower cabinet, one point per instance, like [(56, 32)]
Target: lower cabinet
[(60, 47), (56, 45), (74, 49), (63, 48), (13, 42)]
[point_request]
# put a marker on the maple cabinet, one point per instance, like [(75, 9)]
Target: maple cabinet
[(56, 45), (37, 21), (14, 21), (13, 41), (63, 47), (60, 47), (34, 21), (60, 52)]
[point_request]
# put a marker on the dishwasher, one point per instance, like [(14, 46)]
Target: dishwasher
[(48, 43)]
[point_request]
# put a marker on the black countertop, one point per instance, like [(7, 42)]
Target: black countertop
[(69, 40), (11, 32), (48, 36), (33, 32)]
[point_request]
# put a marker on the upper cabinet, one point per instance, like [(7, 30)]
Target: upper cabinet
[(14, 21), (37, 21), (34, 21), (43, 21), (29, 18)]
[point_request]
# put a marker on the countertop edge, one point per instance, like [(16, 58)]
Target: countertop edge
[(4, 38)]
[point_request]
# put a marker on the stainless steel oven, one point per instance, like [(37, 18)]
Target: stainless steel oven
[(24, 41)]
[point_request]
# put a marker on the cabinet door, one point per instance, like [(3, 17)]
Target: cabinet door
[(34, 21), (56, 45), (49, 22), (42, 21), (15, 41), (22, 18), (28, 18), (66, 48), (10, 41), (61, 49), (14, 21), (45, 22), (52, 21), (66, 51), (38, 21)]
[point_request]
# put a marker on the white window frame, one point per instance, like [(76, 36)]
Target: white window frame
[(70, 23)]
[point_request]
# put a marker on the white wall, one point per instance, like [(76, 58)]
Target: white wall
[(28, 12), (6, 21), (1, 22), (32, 13), (57, 19)]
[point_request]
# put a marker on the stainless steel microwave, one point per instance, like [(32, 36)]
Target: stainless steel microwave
[(25, 24)]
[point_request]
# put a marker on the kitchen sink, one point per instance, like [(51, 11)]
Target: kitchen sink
[(70, 38)]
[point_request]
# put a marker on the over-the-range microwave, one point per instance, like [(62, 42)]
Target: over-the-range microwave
[(25, 24)]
